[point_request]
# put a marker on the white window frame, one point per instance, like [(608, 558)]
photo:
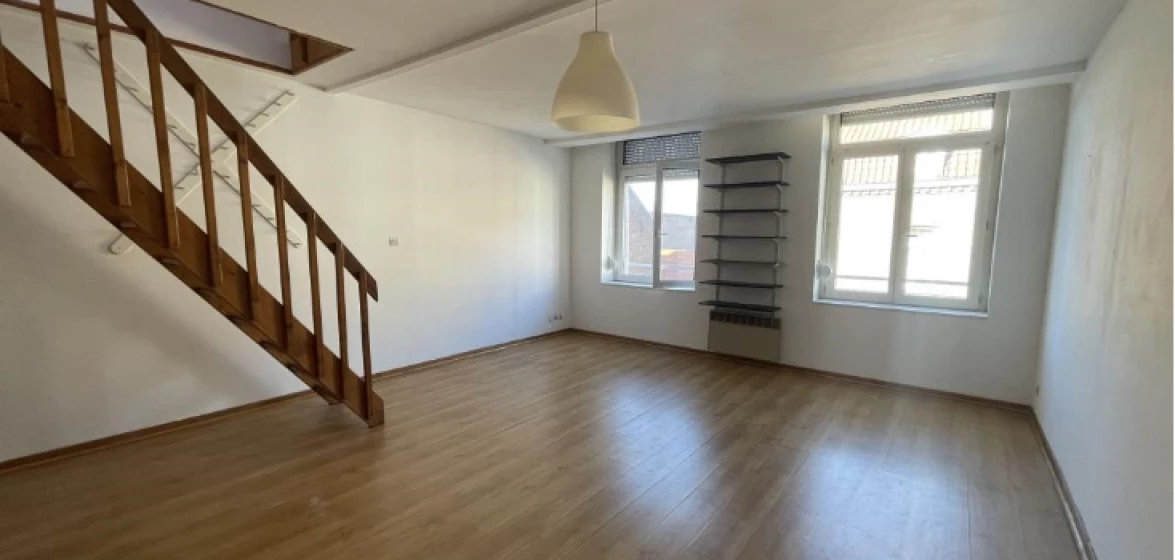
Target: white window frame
[(656, 170), (979, 283)]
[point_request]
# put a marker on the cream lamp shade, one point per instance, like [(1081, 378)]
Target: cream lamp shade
[(595, 95)]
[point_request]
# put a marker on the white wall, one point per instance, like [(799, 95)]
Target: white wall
[(93, 344), (993, 357), (1105, 371)]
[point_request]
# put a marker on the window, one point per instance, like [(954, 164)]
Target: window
[(657, 211), (909, 204)]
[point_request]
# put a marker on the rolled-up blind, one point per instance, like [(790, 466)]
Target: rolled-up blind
[(663, 148)]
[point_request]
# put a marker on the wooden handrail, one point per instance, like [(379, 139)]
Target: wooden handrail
[(110, 91), (57, 78), (205, 149), (134, 18)]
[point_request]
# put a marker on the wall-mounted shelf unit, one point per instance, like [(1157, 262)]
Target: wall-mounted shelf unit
[(741, 284), (748, 185), (744, 237), (746, 211), (767, 156), (730, 271), (741, 262), (741, 306)]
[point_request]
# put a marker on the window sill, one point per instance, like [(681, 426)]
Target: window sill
[(689, 288), (905, 308)]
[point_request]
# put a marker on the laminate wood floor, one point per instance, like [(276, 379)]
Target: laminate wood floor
[(571, 447)]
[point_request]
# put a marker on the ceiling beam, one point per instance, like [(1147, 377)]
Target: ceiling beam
[(1059, 74), (554, 12)]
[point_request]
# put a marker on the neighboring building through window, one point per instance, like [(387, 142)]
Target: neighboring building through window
[(909, 205), (657, 211)]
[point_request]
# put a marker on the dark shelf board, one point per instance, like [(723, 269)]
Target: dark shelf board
[(748, 185), (736, 284), (724, 237), (769, 156), (738, 262), (741, 306), (777, 211)]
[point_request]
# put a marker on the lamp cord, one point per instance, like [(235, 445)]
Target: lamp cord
[(597, 15)]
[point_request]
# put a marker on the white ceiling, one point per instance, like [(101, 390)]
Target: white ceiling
[(688, 59)]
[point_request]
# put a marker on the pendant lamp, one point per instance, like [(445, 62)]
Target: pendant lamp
[(595, 95)]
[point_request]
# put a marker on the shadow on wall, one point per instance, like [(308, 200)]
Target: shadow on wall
[(86, 352)]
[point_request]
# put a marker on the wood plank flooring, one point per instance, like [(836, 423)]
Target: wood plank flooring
[(572, 447)]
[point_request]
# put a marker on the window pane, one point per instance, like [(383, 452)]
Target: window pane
[(918, 126), (942, 223), (679, 224), (864, 235), (636, 251)]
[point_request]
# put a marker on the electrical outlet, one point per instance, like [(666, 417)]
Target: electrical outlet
[(394, 241)]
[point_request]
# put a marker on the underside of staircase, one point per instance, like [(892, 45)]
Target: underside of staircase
[(36, 117)]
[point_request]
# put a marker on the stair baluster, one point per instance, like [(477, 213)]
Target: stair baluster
[(341, 294), (5, 91), (315, 293), (162, 146), (65, 147), (110, 90), (206, 179), (244, 177), (365, 335), (283, 259)]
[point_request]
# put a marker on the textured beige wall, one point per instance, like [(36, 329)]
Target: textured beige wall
[(1105, 380)]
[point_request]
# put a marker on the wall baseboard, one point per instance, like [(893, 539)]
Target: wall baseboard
[(1072, 514), (1016, 407), (124, 438), (467, 354)]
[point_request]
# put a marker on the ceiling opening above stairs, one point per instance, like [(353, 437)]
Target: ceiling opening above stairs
[(202, 27)]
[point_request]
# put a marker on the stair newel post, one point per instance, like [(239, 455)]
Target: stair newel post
[(206, 180), (341, 296), (65, 146), (315, 291), (110, 91), (243, 176), (283, 258), (162, 147), (365, 335), (5, 91)]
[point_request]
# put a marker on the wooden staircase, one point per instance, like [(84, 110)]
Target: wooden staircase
[(37, 117)]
